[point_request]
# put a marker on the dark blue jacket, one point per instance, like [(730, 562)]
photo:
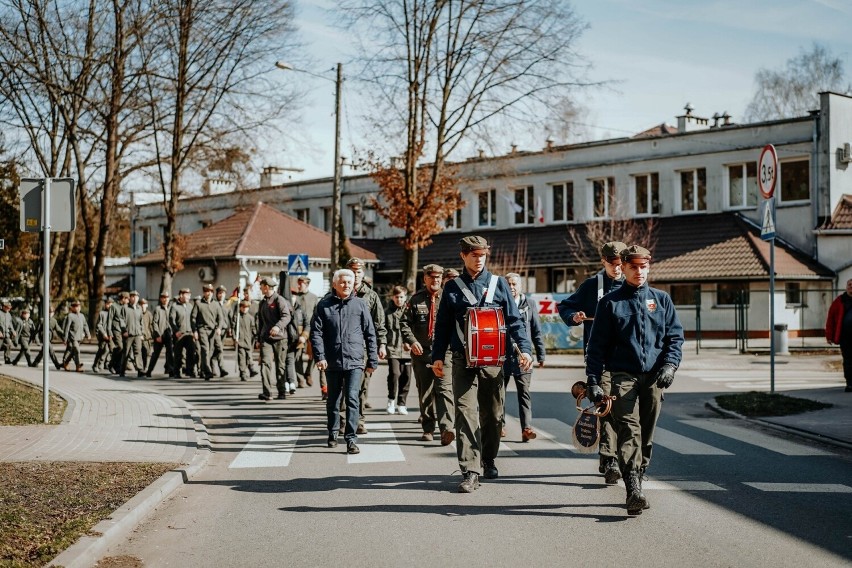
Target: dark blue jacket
[(342, 332), (453, 308), (636, 330), (532, 327), (585, 299)]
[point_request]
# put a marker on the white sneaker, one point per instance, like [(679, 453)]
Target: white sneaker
[(402, 410), (391, 407), (292, 388)]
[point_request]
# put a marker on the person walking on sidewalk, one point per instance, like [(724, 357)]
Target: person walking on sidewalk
[(478, 391), (244, 331), (343, 340), (512, 368), (26, 333), (272, 319), (132, 352), (638, 338), (102, 357), (74, 330), (53, 331), (399, 355), (838, 329), (579, 308), (180, 321), (7, 331), (161, 335), (118, 329), (206, 325)]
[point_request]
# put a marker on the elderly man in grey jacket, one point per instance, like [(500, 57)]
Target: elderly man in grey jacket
[(342, 338)]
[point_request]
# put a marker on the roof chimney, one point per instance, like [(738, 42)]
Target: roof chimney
[(688, 122)]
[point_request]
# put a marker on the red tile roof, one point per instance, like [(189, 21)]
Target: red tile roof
[(841, 218), (662, 129), (261, 231)]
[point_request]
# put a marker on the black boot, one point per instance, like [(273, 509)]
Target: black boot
[(611, 472), (636, 501)]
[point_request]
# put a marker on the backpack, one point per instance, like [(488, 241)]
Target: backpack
[(292, 329)]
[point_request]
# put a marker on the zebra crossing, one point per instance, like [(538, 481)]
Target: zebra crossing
[(275, 447), (736, 381)]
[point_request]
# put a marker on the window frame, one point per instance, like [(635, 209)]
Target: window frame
[(746, 190), (609, 186), (453, 222), (779, 190), (676, 296), (327, 218), (566, 212), (527, 204), (357, 227), (146, 243), (491, 204), (654, 188), (303, 214), (695, 190), (742, 285), (801, 292)]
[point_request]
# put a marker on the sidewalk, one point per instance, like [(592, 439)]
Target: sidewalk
[(111, 419)]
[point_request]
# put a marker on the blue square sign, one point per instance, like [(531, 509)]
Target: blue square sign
[(297, 265)]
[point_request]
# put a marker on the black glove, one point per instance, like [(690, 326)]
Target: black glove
[(594, 393), (665, 376)]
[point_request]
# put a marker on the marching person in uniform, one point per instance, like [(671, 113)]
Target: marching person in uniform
[(343, 340), (245, 333), (52, 331), (478, 391), (217, 358), (147, 333), (118, 328), (102, 356), (206, 320), (307, 301), (579, 308), (512, 369), (132, 336), (273, 315), (161, 335), (25, 333), (74, 330), (180, 321), (638, 338), (399, 354), (418, 329), (7, 331)]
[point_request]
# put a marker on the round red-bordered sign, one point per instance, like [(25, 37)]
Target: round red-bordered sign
[(767, 171)]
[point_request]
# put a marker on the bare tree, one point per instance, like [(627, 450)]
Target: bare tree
[(446, 71), (206, 86), (584, 241), (794, 90)]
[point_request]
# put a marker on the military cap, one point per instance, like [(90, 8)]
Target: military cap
[(473, 242), (123, 295), (221, 289), (635, 252), (612, 249), (354, 263), (450, 273), (165, 294), (303, 279), (143, 301), (245, 304), (107, 300), (75, 302), (430, 268), (25, 311), (133, 293), (207, 287), (270, 281), (185, 291), (7, 304)]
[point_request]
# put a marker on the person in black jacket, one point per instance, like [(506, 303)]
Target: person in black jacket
[(273, 315), (579, 308), (638, 338), (343, 340), (512, 367)]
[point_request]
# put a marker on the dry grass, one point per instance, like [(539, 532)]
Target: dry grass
[(22, 404)]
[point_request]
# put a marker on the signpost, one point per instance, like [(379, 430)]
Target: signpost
[(38, 210), (767, 177)]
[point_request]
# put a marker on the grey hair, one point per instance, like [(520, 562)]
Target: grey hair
[(513, 275), (342, 272)]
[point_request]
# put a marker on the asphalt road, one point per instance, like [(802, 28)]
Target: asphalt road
[(722, 493)]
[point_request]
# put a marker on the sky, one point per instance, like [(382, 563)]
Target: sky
[(657, 55)]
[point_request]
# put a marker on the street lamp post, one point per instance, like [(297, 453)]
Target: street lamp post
[(335, 188)]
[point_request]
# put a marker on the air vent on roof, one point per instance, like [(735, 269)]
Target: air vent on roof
[(846, 154)]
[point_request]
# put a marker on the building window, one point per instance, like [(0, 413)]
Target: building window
[(454, 220), (793, 294), (647, 197), (693, 190), (205, 223), (794, 178), (685, 294), (486, 214), (603, 192), (524, 206), (145, 243), (563, 280), (732, 293), (356, 222), (563, 201), (742, 185), (303, 215), (326, 219)]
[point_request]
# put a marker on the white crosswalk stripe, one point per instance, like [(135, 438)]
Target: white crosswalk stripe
[(268, 447), (800, 487), (686, 446), (377, 446), (755, 438)]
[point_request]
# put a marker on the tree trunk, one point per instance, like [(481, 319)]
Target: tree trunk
[(410, 269)]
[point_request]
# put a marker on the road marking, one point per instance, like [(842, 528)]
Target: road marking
[(754, 438), (381, 446), (801, 487), (270, 446), (556, 431), (503, 451), (683, 445), (680, 485)]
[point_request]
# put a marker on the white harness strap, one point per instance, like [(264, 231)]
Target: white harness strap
[(600, 287)]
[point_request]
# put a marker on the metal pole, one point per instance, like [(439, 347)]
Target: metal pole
[(335, 190), (772, 316), (45, 296)]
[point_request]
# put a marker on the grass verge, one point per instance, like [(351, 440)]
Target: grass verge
[(756, 404), (46, 506), (22, 404)]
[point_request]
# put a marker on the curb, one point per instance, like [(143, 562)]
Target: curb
[(780, 427), (89, 549)]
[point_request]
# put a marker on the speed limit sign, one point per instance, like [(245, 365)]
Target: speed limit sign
[(767, 171)]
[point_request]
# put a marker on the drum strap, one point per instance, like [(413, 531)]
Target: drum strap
[(600, 287), (488, 298)]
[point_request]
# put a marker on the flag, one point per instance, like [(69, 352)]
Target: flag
[(512, 205), (236, 292), (539, 209)]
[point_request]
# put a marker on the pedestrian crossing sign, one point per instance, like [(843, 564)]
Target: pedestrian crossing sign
[(767, 216), (297, 265)]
